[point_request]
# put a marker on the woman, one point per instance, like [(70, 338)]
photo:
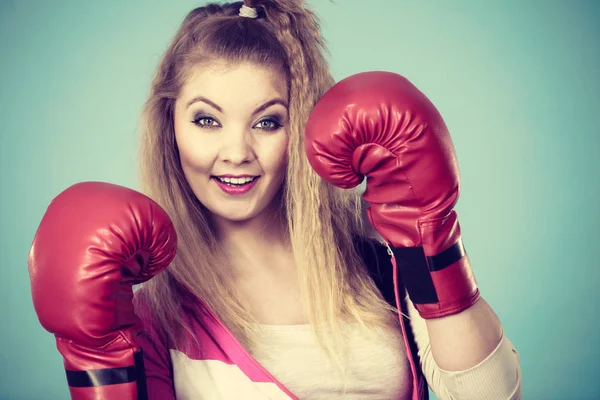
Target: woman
[(274, 291)]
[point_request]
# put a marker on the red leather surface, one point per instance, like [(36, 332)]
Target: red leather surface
[(379, 125), (94, 242)]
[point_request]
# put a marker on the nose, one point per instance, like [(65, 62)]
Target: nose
[(237, 147)]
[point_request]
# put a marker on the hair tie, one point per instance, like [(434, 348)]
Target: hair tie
[(247, 12)]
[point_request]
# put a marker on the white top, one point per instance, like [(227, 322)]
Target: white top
[(378, 367)]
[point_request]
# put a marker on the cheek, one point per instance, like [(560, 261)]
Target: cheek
[(196, 157), (274, 157)]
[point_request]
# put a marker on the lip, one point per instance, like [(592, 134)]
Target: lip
[(236, 191)]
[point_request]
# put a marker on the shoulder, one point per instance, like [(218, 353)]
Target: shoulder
[(143, 309), (175, 325), (376, 259)]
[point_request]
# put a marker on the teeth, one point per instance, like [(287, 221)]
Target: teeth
[(236, 181)]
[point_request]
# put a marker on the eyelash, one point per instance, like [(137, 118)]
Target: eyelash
[(274, 123), (198, 118)]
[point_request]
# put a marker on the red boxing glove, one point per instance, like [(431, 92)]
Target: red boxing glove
[(379, 125), (96, 241)]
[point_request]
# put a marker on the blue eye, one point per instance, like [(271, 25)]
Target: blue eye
[(205, 121), (268, 124)]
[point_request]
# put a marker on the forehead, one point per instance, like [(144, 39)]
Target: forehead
[(241, 83)]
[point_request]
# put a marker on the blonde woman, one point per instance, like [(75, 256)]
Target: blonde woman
[(276, 292)]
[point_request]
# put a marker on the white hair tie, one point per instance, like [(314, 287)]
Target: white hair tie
[(248, 12)]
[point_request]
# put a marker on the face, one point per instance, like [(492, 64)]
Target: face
[(230, 127)]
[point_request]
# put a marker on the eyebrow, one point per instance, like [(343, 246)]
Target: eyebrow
[(214, 105), (204, 100), (269, 104)]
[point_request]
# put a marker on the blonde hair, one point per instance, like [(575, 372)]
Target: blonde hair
[(323, 221)]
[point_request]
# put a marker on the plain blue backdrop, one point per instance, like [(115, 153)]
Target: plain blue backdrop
[(516, 81)]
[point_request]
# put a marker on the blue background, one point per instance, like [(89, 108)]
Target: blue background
[(517, 82)]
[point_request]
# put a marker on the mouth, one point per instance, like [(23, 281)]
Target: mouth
[(236, 185), (236, 181)]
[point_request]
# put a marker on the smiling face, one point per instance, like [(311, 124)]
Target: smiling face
[(230, 127)]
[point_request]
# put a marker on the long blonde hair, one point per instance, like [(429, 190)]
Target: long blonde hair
[(322, 220)]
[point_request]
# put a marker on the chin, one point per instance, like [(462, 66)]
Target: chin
[(237, 218), (235, 215), (244, 211)]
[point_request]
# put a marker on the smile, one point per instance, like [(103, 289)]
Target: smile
[(236, 185), (237, 181)]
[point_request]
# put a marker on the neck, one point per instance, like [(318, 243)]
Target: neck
[(262, 229), (249, 243)]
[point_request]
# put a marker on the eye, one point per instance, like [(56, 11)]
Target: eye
[(206, 121), (268, 124)]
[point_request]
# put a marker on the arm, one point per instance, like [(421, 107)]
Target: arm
[(461, 341), (378, 125), (157, 359), (471, 371), (94, 243)]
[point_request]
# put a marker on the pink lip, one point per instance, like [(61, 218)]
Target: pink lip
[(236, 190)]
